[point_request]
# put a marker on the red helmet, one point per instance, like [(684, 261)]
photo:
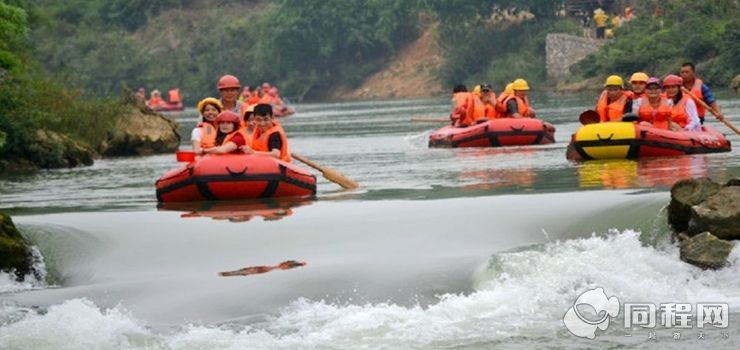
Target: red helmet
[(227, 117), (672, 80), (228, 82)]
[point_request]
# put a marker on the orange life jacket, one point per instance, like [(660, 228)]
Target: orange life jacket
[(156, 101), (260, 141), (696, 90), (459, 107), (491, 112), (174, 96), (208, 134), (522, 105), (476, 111), (253, 99), (611, 112), (500, 106), (659, 117), (678, 114)]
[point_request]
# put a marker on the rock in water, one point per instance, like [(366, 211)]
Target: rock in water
[(706, 251), (684, 195), (142, 133), (719, 214), (14, 254)]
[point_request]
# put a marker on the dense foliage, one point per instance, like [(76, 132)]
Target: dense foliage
[(703, 31), (31, 101), (305, 47), (479, 46)]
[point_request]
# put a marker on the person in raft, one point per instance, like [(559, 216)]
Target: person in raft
[(698, 88), (614, 101), (204, 133), (459, 103), (517, 104), (228, 88), (653, 108), (683, 112), (230, 138), (249, 124), (638, 82), (269, 137), (488, 97)]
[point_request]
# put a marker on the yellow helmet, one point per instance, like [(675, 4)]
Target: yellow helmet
[(520, 84), (476, 90), (614, 80), (639, 76), (509, 88), (210, 101)]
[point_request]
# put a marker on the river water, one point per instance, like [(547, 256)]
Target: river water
[(440, 248)]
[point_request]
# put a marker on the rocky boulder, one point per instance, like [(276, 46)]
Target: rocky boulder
[(14, 254), (142, 132), (706, 251), (684, 195), (719, 214)]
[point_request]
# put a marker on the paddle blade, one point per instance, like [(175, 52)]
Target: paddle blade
[(589, 117), (339, 179), (329, 173)]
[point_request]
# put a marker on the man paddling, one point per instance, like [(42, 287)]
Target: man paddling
[(698, 89)]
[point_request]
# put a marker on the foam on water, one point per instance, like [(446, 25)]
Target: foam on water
[(520, 298)]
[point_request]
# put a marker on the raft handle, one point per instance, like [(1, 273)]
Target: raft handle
[(606, 138), (236, 173)]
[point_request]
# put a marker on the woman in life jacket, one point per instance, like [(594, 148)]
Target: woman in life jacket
[(204, 133), (269, 137), (653, 108), (230, 138), (684, 113)]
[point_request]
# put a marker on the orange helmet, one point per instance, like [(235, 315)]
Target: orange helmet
[(227, 117), (228, 82)]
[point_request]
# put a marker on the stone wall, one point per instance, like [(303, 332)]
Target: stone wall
[(564, 50)]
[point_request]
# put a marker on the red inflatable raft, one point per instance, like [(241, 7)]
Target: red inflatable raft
[(495, 133), (234, 176), (168, 107), (630, 140)]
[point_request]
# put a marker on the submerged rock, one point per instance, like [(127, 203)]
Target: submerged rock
[(684, 195), (142, 132), (719, 214), (14, 253), (706, 251)]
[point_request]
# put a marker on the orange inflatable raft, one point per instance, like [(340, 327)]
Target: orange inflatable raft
[(234, 176), (495, 133)]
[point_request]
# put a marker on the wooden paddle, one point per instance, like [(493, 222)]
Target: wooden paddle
[(329, 173), (589, 117), (430, 120), (709, 108)]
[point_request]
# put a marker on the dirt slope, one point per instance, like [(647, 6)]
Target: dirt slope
[(408, 75)]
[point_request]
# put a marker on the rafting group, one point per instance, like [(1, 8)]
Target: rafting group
[(657, 117), (254, 160)]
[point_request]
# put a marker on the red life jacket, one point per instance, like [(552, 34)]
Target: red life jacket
[(260, 141)]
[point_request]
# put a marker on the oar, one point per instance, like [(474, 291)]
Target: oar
[(709, 108), (430, 120), (589, 117), (329, 173)]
